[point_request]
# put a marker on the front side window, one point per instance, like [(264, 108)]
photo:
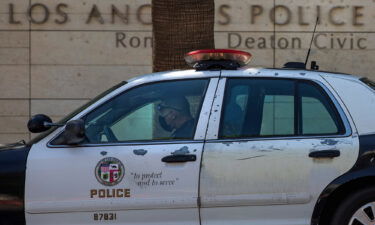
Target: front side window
[(276, 107), (157, 111)]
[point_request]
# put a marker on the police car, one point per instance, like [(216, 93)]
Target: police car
[(215, 145)]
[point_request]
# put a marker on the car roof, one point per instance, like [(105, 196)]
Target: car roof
[(242, 72), (286, 73)]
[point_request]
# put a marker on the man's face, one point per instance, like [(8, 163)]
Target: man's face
[(169, 116)]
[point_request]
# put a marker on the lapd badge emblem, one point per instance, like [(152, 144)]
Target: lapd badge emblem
[(109, 171)]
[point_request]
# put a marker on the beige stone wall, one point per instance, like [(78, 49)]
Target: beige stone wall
[(55, 55)]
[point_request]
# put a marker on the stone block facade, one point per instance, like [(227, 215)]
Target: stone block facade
[(55, 55)]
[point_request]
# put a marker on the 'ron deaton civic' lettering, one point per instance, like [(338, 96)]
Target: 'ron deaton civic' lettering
[(321, 41), (132, 41)]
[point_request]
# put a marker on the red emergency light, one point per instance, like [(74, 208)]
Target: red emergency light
[(217, 58)]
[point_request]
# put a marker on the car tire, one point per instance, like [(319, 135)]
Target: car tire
[(357, 209)]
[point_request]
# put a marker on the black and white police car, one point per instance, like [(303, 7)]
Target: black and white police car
[(215, 145)]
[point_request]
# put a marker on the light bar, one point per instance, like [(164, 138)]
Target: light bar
[(242, 58)]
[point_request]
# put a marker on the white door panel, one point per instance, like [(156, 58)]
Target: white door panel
[(63, 181), (270, 171), (247, 176), (268, 180), (66, 187), (124, 182)]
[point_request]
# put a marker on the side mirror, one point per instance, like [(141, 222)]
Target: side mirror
[(39, 123), (73, 134)]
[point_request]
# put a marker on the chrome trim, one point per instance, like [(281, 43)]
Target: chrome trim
[(274, 138), (126, 143)]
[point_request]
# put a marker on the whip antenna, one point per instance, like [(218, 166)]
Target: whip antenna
[(313, 64)]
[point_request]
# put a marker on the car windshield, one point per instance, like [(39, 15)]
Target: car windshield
[(75, 112)]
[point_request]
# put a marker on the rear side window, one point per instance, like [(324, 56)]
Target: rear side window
[(317, 114), (368, 82), (277, 107)]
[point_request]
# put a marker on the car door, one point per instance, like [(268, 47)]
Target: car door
[(279, 143), (130, 169)]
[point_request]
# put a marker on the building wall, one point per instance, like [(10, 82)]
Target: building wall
[(55, 55)]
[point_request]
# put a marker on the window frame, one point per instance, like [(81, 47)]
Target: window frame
[(137, 142), (344, 128)]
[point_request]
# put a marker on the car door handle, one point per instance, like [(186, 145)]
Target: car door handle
[(325, 154), (179, 158)]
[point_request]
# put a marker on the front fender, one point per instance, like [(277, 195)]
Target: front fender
[(12, 184)]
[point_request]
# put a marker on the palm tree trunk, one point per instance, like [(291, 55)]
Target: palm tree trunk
[(180, 26)]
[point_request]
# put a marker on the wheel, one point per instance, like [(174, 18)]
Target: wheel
[(356, 209)]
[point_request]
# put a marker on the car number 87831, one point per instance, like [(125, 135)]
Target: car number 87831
[(105, 216)]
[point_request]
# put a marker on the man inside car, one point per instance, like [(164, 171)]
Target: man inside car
[(175, 116)]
